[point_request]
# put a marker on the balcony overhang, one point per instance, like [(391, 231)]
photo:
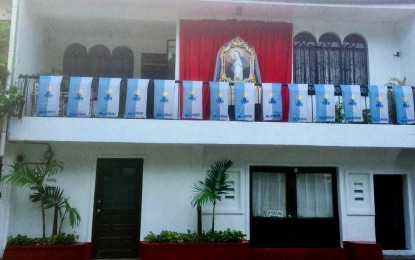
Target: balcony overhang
[(151, 131)]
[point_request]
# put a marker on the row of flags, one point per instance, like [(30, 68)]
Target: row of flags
[(79, 96)]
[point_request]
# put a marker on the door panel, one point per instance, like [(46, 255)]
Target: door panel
[(389, 217), (294, 207), (116, 225)]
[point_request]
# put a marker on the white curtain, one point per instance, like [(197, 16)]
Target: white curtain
[(268, 194), (314, 195)]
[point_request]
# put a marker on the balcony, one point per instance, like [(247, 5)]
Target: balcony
[(28, 127)]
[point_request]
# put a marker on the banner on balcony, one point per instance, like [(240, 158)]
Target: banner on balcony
[(219, 101), (48, 95), (192, 100), (379, 106), (352, 103), (164, 93), (271, 101), (325, 103), (136, 98), (79, 97), (298, 98), (244, 101), (404, 101), (108, 100)]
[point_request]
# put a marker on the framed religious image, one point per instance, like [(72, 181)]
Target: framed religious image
[(237, 61)]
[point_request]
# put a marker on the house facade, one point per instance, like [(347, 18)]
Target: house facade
[(293, 184)]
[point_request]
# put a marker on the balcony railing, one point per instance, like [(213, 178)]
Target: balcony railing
[(29, 84)]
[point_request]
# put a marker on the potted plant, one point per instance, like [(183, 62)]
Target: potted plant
[(58, 244), (227, 244)]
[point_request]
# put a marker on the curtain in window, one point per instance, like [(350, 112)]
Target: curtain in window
[(200, 41), (268, 194), (314, 195)]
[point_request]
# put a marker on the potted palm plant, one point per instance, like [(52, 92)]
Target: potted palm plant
[(58, 244), (226, 244)]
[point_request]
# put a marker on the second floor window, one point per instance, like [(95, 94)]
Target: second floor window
[(329, 61)]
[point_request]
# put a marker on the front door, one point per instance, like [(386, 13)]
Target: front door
[(389, 216), (294, 207), (117, 207)]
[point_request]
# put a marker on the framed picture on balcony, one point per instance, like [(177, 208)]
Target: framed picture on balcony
[(237, 62)]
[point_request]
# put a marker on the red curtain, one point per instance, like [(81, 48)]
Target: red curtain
[(200, 41)]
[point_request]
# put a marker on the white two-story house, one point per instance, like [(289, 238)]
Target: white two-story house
[(293, 184)]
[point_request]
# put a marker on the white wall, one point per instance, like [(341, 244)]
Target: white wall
[(406, 31), (381, 39), (170, 171), (32, 43)]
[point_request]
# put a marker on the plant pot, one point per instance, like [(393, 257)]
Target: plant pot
[(191, 251), (77, 251)]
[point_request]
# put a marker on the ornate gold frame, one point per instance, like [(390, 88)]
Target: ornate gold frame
[(244, 50)]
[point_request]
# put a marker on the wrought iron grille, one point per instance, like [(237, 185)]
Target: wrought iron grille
[(330, 62)]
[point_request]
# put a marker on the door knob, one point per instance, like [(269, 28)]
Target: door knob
[(98, 210)]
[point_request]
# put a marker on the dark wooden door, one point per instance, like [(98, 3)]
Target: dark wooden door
[(389, 218), (117, 207), (294, 207)]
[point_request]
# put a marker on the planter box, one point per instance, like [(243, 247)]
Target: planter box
[(192, 251), (78, 251)]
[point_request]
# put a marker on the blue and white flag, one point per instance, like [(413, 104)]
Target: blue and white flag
[(379, 107), (352, 103), (108, 97), (271, 101), (244, 101), (192, 100), (404, 101), (136, 98), (219, 101), (48, 94), (164, 93), (325, 104), (79, 97), (298, 103)]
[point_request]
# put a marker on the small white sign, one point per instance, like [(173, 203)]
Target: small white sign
[(273, 213)]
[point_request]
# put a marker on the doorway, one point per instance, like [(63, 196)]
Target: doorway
[(294, 207), (389, 208), (117, 208)]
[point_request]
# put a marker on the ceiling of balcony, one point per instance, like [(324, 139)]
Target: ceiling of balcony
[(390, 11)]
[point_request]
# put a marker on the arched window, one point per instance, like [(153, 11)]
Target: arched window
[(75, 60), (100, 61), (329, 59), (355, 68), (305, 58), (122, 64)]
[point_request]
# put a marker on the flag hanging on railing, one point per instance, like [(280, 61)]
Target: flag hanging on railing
[(219, 101), (48, 95), (404, 101), (271, 101), (298, 96), (379, 106), (164, 93), (352, 103), (79, 97), (325, 104), (192, 100), (108, 100), (244, 101), (136, 98)]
